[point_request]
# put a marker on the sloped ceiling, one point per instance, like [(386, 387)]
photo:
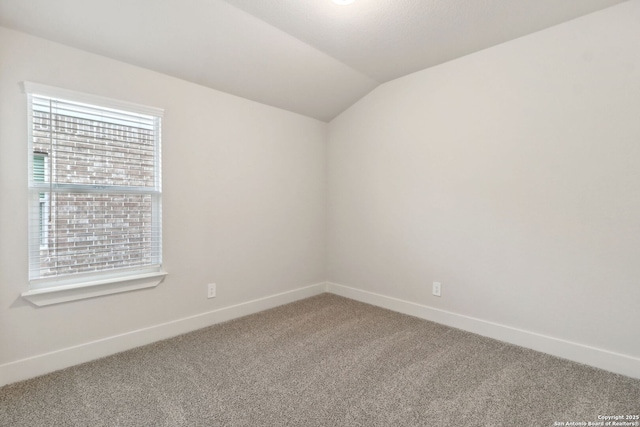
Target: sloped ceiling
[(312, 57)]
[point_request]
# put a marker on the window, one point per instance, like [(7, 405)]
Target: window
[(39, 173), (95, 185)]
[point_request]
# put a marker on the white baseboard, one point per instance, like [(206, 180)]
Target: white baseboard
[(49, 362), (603, 359)]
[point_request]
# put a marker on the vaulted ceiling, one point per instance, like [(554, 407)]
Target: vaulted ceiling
[(311, 57)]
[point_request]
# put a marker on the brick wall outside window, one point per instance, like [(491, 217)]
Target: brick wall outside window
[(89, 232)]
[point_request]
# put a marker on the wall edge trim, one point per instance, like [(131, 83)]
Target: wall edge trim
[(45, 363), (576, 352)]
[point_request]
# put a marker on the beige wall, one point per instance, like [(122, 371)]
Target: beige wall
[(243, 201), (511, 176)]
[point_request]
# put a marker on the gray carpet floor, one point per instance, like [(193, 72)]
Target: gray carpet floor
[(323, 361)]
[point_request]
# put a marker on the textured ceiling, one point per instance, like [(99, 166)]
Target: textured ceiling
[(311, 57)]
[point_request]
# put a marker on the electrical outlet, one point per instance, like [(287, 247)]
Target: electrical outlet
[(211, 290), (436, 288)]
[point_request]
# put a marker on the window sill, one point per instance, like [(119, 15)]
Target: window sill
[(60, 294)]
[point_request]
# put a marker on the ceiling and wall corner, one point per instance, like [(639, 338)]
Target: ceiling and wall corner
[(389, 39), (314, 58), (207, 42)]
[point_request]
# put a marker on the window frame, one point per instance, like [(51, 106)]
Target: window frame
[(56, 289)]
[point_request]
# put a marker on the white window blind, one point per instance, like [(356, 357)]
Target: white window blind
[(95, 188)]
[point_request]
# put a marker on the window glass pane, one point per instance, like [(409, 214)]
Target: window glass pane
[(38, 168), (98, 231), (93, 151)]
